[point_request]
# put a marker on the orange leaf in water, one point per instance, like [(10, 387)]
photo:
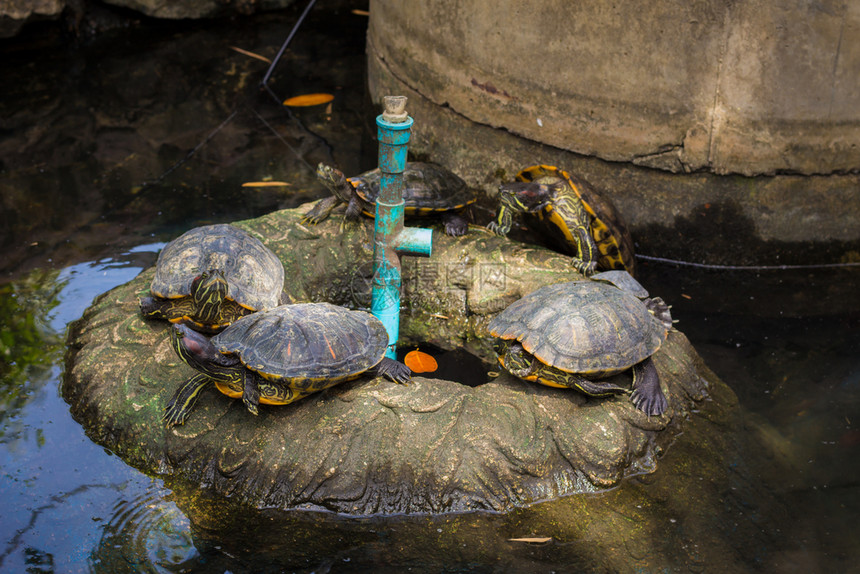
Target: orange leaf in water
[(265, 184), (251, 54), (308, 100), (420, 362)]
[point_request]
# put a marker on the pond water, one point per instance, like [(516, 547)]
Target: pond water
[(97, 176)]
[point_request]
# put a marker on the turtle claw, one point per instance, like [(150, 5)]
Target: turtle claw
[(251, 395), (647, 395), (394, 371), (587, 268), (183, 400), (455, 225), (497, 229), (346, 223), (653, 405), (455, 230), (320, 211), (173, 416)]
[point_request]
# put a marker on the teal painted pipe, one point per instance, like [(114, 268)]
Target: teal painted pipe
[(390, 238)]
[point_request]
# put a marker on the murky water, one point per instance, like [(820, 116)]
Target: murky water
[(96, 177)]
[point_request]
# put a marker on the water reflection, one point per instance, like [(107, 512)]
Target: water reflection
[(147, 533), (143, 131), (55, 483), (29, 347)]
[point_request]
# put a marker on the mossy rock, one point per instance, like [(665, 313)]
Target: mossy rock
[(371, 446)]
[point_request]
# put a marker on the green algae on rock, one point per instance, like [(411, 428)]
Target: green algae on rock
[(371, 446)]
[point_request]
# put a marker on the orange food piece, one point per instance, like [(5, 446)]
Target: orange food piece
[(308, 100), (420, 362)]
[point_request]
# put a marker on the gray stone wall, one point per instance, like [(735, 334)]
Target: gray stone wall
[(758, 87), (696, 115)]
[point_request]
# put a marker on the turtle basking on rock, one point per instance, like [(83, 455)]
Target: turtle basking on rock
[(428, 189), (278, 356), (210, 276), (576, 334), (571, 214)]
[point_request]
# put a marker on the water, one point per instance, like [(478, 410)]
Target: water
[(88, 133)]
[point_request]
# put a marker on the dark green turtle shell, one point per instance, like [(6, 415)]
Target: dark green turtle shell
[(427, 188), (254, 274), (307, 341), (610, 233), (589, 328)]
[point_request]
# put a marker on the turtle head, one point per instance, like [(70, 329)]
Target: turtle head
[(335, 181), (209, 291), (525, 196), (514, 358), (197, 351)]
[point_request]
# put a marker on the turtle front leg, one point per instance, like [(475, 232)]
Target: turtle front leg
[(586, 261), (321, 211), (455, 224), (153, 308), (250, 392), (504, 217), (582, 384), (354, 209), (647, 394), (657, 307), (393, 371), (168, 309), (183, 400)]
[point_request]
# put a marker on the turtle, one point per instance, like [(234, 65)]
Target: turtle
[(428, 189), (281, 355), (576, 334), (572, 214), (211, 275)]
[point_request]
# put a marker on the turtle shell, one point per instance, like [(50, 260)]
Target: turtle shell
[(255, 274), (610, 233), (307, 341), (590, 328), (622, 280), (427, 188)]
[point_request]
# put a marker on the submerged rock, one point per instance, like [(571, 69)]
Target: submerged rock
[(371, 446)]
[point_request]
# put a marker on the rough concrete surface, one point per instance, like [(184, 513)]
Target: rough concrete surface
[(753, 88)]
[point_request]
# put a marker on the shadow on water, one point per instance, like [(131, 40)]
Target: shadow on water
[(96, 176), (99, 138)]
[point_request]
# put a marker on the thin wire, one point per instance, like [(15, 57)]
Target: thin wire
[(745, 267), (191, 153), (283, 140), (223, 124), (265, 82)]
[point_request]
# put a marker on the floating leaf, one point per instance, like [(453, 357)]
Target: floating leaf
[(251, 54), (308, 100), (420, 362), (265, 183)]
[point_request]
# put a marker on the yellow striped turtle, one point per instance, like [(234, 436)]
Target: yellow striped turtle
[(210, 276), (576, 218), (428, 189), (278, 356), (573, 335)]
